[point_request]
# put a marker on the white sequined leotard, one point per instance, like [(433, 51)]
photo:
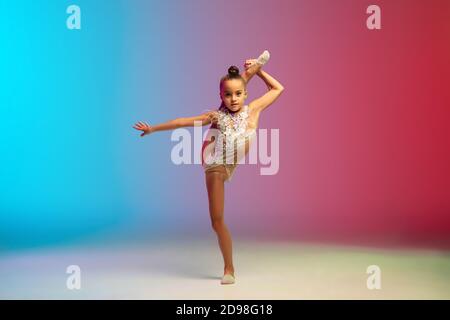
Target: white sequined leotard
[(232, 138)]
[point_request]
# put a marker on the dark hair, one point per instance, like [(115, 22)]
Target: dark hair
[(233, 73)]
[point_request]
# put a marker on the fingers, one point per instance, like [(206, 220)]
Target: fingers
[(213, 117), (141, 125), (250, 62)]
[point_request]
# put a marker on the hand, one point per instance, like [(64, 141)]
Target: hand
[(213, 117), (250, 63), (145, 127)]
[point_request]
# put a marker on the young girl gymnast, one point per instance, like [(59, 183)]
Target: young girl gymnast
[(235, 124)]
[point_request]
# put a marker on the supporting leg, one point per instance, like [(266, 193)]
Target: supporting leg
[(215, 186)]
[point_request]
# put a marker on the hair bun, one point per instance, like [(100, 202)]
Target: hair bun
[(233, 71)]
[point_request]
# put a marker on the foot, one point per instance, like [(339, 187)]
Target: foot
[(263, 58), (227, 278)]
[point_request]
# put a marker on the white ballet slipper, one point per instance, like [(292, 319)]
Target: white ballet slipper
[(263, 58), (227, 279)]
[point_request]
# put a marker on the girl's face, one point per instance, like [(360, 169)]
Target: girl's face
[(233, 94)]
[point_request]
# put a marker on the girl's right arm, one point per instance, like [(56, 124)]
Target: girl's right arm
[(204, 119), (275, 89)]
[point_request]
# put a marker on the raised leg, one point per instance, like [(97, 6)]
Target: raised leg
[(250, 72), (255, 65)]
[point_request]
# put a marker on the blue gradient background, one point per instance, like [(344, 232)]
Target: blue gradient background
[(61, 101)]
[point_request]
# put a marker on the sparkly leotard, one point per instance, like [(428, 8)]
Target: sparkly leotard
[(231, 141)]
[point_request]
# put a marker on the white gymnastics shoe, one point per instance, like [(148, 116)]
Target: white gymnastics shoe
[(227, 279), (263, 58)]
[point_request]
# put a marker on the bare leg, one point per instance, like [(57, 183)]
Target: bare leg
[(215, 186), (255, 65)]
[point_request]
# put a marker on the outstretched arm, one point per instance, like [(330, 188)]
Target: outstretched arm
[(204, 119), (275, 90)]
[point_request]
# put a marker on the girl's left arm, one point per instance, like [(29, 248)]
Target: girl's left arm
[(275, 90)]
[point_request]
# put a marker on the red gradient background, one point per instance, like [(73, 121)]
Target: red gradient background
[(364, 135)]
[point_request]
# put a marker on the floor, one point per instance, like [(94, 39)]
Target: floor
[(191, 269)]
